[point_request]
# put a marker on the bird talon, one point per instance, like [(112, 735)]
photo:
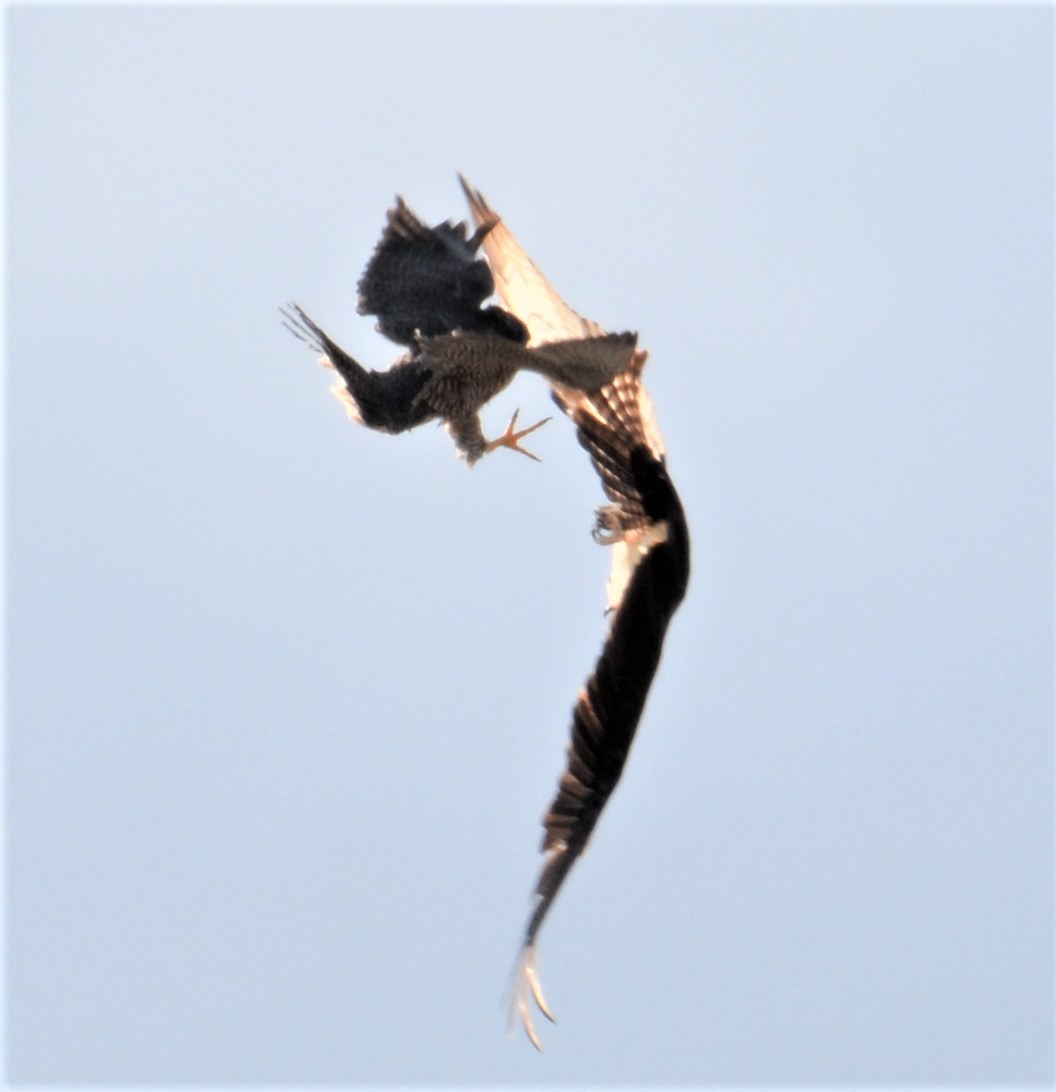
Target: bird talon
[(511, 439)]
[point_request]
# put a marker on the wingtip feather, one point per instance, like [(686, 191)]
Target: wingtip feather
[(526, 987)]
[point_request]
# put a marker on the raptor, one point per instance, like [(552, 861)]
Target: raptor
[(427, 287)]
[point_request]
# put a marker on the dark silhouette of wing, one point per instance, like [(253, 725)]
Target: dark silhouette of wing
[(646, 528), (387, 401), (425, 281)]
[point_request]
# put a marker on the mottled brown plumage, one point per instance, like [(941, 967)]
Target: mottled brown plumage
[(450, 377), (428, 288), (468, 370)]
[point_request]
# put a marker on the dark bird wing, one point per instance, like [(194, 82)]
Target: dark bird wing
[(429, 281), (386, 401), (522, 288), (646, 528)]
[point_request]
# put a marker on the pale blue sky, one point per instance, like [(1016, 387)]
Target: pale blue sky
[(286, 699)]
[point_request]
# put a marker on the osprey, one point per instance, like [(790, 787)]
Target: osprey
[(427, 288), (645, 527)]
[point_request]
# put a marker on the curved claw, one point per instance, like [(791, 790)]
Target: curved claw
[(526, 984), (509, 438)]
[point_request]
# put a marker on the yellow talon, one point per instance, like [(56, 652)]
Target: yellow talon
[(510, 438)]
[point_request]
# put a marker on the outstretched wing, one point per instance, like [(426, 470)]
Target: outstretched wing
[(427, 281), (522, 288), (646, 527)]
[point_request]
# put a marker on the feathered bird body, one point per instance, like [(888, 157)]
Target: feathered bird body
[(451, 376), (427, 288), (468, 370)]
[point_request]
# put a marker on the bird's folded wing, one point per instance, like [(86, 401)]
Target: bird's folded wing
[(522, 288)]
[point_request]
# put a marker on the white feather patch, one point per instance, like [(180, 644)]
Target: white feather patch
[(627, 551)]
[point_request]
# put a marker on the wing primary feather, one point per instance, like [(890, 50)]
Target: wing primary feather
[(521, 286)]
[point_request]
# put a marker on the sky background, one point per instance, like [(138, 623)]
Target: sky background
[(286, 699)]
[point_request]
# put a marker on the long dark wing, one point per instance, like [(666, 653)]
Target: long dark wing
[(647, 528), (386, 401), (428, 280)]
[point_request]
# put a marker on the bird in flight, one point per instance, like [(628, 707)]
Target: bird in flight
[(427, 287), (645, 527)]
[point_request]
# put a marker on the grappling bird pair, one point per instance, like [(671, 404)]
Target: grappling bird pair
[(427, 287)]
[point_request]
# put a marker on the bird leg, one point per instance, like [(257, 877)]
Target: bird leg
[(510, 438)]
